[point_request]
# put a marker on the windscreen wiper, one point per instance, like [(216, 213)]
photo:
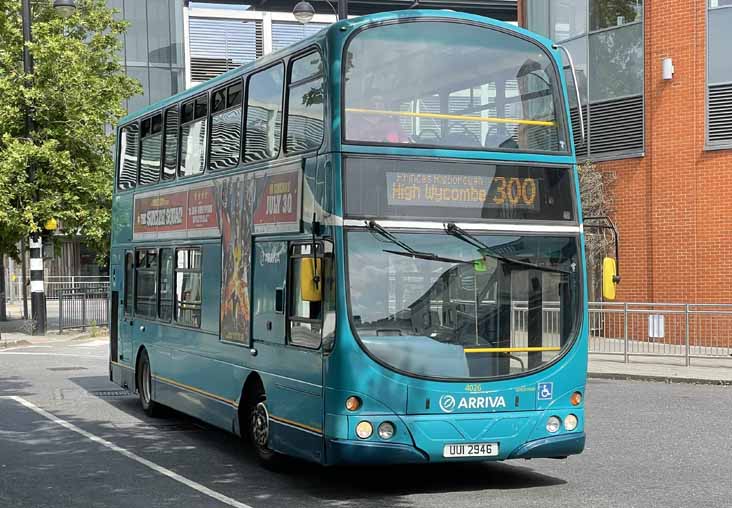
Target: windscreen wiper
[(453, 229), (410, 252)]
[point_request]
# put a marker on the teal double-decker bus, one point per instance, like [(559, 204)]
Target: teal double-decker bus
[(367, 248)]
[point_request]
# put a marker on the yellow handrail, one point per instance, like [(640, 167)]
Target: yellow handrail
[(489, 119), (511, 349)]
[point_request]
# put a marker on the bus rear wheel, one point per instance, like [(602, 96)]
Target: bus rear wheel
[(144, 386), (259, 434)]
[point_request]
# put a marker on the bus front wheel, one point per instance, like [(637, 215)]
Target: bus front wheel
[(144, 385)]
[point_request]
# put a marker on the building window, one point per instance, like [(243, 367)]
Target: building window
[(225, 127), (605, 38), (188, 287), (306, 97), (165, 305), (719, 74), (129, 151), (194, 117), (146, 274), (151, 132), (171, 143), (264, 114)]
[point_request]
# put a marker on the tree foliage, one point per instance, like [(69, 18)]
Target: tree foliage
[(75, 94)]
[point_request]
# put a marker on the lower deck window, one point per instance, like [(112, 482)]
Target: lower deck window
[(188, 287)]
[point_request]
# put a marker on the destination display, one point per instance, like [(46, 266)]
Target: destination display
[(441, 190), (420, 189)]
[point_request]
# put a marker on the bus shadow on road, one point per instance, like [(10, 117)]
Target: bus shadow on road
[(239, 475)]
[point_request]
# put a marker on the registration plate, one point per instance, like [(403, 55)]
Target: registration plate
[(470, 450)]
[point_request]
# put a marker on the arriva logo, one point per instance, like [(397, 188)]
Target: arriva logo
[(448, 403)]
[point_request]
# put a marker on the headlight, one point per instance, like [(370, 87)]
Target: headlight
[(553, 424), (364, 430), (386, 430), (570, 422)]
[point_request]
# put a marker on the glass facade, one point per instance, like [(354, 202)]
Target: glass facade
[(605, 38), (153, 49), (719, 74)]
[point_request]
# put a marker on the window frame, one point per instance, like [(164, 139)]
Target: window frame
[(245, 115), (142, 120), (194, 100), (176, 270), (121, 156), (156, 271), (311, 50), (173, 107), (241, 80), (295, 251), (171, 275), (129, 282)]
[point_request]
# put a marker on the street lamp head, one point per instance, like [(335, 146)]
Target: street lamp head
[(64, 8), (303, 12)]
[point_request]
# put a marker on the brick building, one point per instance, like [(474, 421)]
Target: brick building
[(668, 141)]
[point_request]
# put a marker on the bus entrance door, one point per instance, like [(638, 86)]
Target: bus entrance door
[(286, 335)]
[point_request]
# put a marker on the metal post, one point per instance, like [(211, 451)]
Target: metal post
[(60, 312), (38, 296), (625, 325), (24, 278), (688, 358), (83, 310), (3, 310), (342, 9)]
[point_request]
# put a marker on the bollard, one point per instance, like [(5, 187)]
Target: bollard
[(625, 325), (688, 358)]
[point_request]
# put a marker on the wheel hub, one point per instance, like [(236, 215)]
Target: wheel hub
[(260, 425)]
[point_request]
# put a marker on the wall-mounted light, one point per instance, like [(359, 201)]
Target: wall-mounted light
[(667, 68)]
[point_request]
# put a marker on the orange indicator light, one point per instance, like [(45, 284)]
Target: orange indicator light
[(576, 398), (353, 403)]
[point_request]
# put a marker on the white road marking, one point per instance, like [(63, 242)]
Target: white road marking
[(49, 354), (160, 469), (95, 343), (23, 347)]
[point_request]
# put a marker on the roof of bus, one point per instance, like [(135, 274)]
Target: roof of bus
[(351, 24)]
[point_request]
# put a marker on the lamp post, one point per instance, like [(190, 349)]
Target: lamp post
[(65, 8), (304, 11)]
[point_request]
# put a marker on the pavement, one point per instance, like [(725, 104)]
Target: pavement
[(716, 371)]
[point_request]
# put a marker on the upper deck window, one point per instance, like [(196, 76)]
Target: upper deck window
[(193, 136), (129, 151), (226, 127), (152, 144), (264, 114), (452, 85), (306, 96)]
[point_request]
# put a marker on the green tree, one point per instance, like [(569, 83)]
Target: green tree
[(75, 94)]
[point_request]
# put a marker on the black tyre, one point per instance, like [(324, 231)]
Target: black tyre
[(144, 386), (259, 434)]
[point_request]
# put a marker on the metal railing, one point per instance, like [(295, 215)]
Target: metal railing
[(661, 329), (82, 308), (55, 283)]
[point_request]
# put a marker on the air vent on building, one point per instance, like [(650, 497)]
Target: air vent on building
[(720, 113), (219, 45), (286, 33), (616, 126), (580, 147)]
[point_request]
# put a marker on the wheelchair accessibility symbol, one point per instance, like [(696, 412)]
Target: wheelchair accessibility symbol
[(545, 391)]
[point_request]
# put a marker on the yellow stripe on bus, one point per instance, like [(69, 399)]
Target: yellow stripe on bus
[(510, 349), (489, 119)]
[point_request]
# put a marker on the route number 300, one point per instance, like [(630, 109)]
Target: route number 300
[(516, 191)]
